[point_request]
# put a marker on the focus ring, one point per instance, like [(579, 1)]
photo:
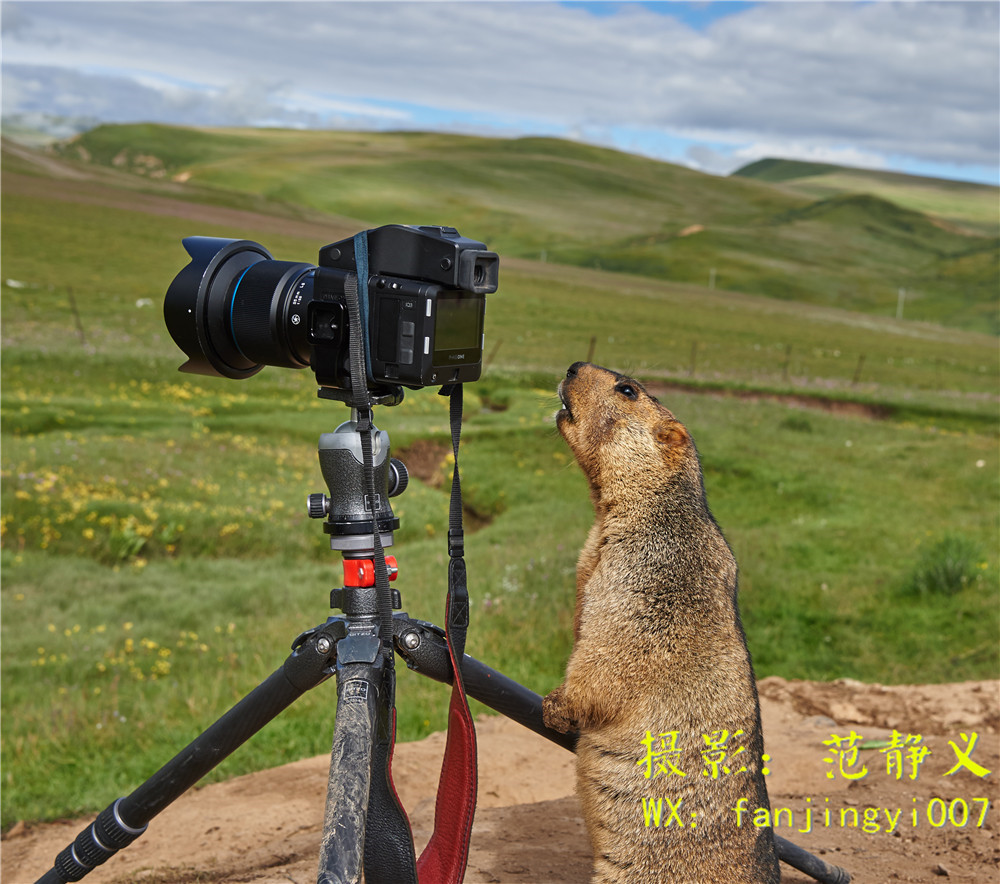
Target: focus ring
[(250, 311)]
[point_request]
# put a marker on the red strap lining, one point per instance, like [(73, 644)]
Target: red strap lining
[(447, 853)]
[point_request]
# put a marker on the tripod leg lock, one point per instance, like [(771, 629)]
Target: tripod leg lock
[(96, 844), (424, 647)]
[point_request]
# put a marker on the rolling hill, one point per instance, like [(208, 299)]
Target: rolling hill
[(767, 231), (965, 204)]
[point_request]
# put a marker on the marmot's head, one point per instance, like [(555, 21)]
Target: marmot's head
[(623, 438)]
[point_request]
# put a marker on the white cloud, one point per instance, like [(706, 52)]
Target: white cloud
[(869, 80)]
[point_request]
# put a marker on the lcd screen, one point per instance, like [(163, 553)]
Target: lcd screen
[(458, 324)]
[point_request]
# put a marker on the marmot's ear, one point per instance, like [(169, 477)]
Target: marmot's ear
[(671, 434)]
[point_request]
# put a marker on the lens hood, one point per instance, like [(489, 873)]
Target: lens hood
[(195, 305)]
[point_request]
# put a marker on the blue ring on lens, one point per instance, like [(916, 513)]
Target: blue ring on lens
[(232, 304)]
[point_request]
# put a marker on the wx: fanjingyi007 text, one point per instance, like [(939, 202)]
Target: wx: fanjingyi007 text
[(937, 813)]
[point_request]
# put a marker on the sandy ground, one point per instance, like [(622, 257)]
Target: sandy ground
[(265, 828)]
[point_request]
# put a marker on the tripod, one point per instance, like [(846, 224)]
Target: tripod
[(364, 825)]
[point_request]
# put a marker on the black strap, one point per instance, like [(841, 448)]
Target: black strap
[(389, 857), (389, 853), (446, 856), (356, 294), (458, 592)]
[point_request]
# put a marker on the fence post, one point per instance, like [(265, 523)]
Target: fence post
[(76, 316), (493, 353), (857, 371)]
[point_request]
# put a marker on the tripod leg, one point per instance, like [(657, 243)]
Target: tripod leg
[(811, 865), (350, 772), (364, 821), (422, 645), (126, 819)]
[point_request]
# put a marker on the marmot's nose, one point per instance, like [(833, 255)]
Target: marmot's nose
[(572, 371)]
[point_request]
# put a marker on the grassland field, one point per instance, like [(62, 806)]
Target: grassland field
[(577, 204), (157, 560)]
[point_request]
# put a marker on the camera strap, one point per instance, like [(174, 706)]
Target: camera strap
[(388, 849), (389, 856), (356, 294), (447, 853), (361, 262)]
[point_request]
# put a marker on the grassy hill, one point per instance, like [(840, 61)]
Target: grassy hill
[(156, 557), (967, 205), (569, 203)]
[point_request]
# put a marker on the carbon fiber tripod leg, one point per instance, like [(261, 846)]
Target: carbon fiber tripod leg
[(342, 848)]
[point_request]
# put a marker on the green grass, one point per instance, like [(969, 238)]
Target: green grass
[(946, 567), (157, 561)]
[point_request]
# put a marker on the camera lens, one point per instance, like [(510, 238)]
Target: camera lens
[(267, 313), (233, 309)]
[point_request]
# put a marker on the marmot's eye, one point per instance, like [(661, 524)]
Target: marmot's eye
[(628, 391)]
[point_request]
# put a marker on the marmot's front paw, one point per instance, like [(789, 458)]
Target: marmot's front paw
[(554, 713)]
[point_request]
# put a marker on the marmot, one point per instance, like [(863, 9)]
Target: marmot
[(659, 684)]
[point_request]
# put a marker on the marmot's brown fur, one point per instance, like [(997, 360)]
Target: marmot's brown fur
[(660, 665)]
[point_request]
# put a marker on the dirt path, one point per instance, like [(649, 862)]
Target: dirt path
[(109, 188), (265, 828)]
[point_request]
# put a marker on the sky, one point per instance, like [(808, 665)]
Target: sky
[(911, 87)]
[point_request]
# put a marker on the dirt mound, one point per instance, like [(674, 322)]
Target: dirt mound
[(265, 828)]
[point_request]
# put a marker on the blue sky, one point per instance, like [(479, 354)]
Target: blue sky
[(911, 87), (696, 15)]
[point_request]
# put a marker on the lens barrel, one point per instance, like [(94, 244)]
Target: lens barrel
[(267, 313)]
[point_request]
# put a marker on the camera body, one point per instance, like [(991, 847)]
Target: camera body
[(426, 307), (233, 309)]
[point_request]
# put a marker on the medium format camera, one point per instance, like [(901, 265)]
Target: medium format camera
[(234, 309)]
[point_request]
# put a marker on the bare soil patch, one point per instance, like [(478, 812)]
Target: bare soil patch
[(265, 828), (425, 459), (428, 461), (130, 194)]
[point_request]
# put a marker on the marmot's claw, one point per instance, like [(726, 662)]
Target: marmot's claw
[(553, 715)]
